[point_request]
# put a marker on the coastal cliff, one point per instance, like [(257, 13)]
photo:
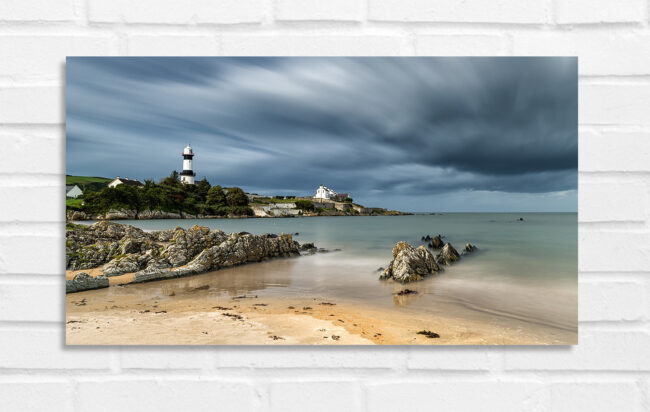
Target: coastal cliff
[(120, 249)]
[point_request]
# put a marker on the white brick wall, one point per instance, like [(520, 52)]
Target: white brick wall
[(608, 371)]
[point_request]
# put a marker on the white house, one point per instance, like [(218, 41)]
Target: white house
[(124, 181), (72, 191), (324, 193)]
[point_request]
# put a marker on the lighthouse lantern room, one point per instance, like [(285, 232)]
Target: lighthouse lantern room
[(187, 175)]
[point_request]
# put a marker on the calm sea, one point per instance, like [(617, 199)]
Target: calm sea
[(523, 270)]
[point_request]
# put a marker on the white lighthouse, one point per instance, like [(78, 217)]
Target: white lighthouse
[(187, 175)]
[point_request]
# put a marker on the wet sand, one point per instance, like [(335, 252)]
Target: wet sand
[(188, 312)]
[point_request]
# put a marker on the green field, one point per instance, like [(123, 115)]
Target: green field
[(81, 180), (88, 183), (74, 203)]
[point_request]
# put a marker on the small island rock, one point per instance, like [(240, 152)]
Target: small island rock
[(437, 242), (410, 264)]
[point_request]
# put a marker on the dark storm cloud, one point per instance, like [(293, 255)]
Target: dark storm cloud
[(390, 127)]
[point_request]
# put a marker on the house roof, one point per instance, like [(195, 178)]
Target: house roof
[(69, 187), (129, 182)]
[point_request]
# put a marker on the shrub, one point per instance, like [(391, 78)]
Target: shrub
[(304, 204), (216, 197), (236, 197)]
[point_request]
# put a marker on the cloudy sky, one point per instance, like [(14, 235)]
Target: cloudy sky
[(416, 134)]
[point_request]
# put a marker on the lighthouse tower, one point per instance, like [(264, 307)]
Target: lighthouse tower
[(187, 175)]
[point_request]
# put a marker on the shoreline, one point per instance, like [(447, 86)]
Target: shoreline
[(196, 317), (192, 217)]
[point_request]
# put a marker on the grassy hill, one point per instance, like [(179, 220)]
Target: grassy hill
[(93, 183), (80, 180)]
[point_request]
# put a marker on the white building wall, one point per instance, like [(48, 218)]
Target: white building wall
[(187, 179), (608, 371), (187, 164)]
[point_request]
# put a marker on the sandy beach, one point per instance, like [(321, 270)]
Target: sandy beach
[(194, 316)]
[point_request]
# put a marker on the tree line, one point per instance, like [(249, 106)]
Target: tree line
[(168, 195)]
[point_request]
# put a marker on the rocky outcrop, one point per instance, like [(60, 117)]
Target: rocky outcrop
[(83, 281), (185, 244), (447, 255), (120, 249), (121, 214), (122, 264), (95, 245), (235, 250), (76, 215), (410, 264), (158, 214)]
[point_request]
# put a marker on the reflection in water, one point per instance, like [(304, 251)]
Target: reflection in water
[(404, 300), (253, 278)]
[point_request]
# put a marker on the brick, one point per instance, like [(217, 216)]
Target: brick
[(179, 45), (613, 251), (311, 45), (41, 255), (25, 204), (42, 58), (165, 358), (598, 350), (611, 301), (32, 302), (36, 396), (609, 151), (40, 153), (470, 11), (594, 396), (619, 104), (37, 10), (459, 358), (599, 11), (315, 396), (454, 396), (166, 395), (620, 200), (345, 10), (45, 105), (460, 45), (45, 349), (599, 53), (173, 12), (305, 357)]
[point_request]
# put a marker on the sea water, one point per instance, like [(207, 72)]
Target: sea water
[(523, 270)]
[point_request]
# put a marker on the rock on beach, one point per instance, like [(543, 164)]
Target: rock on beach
[(410, 264), (120, 249)]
